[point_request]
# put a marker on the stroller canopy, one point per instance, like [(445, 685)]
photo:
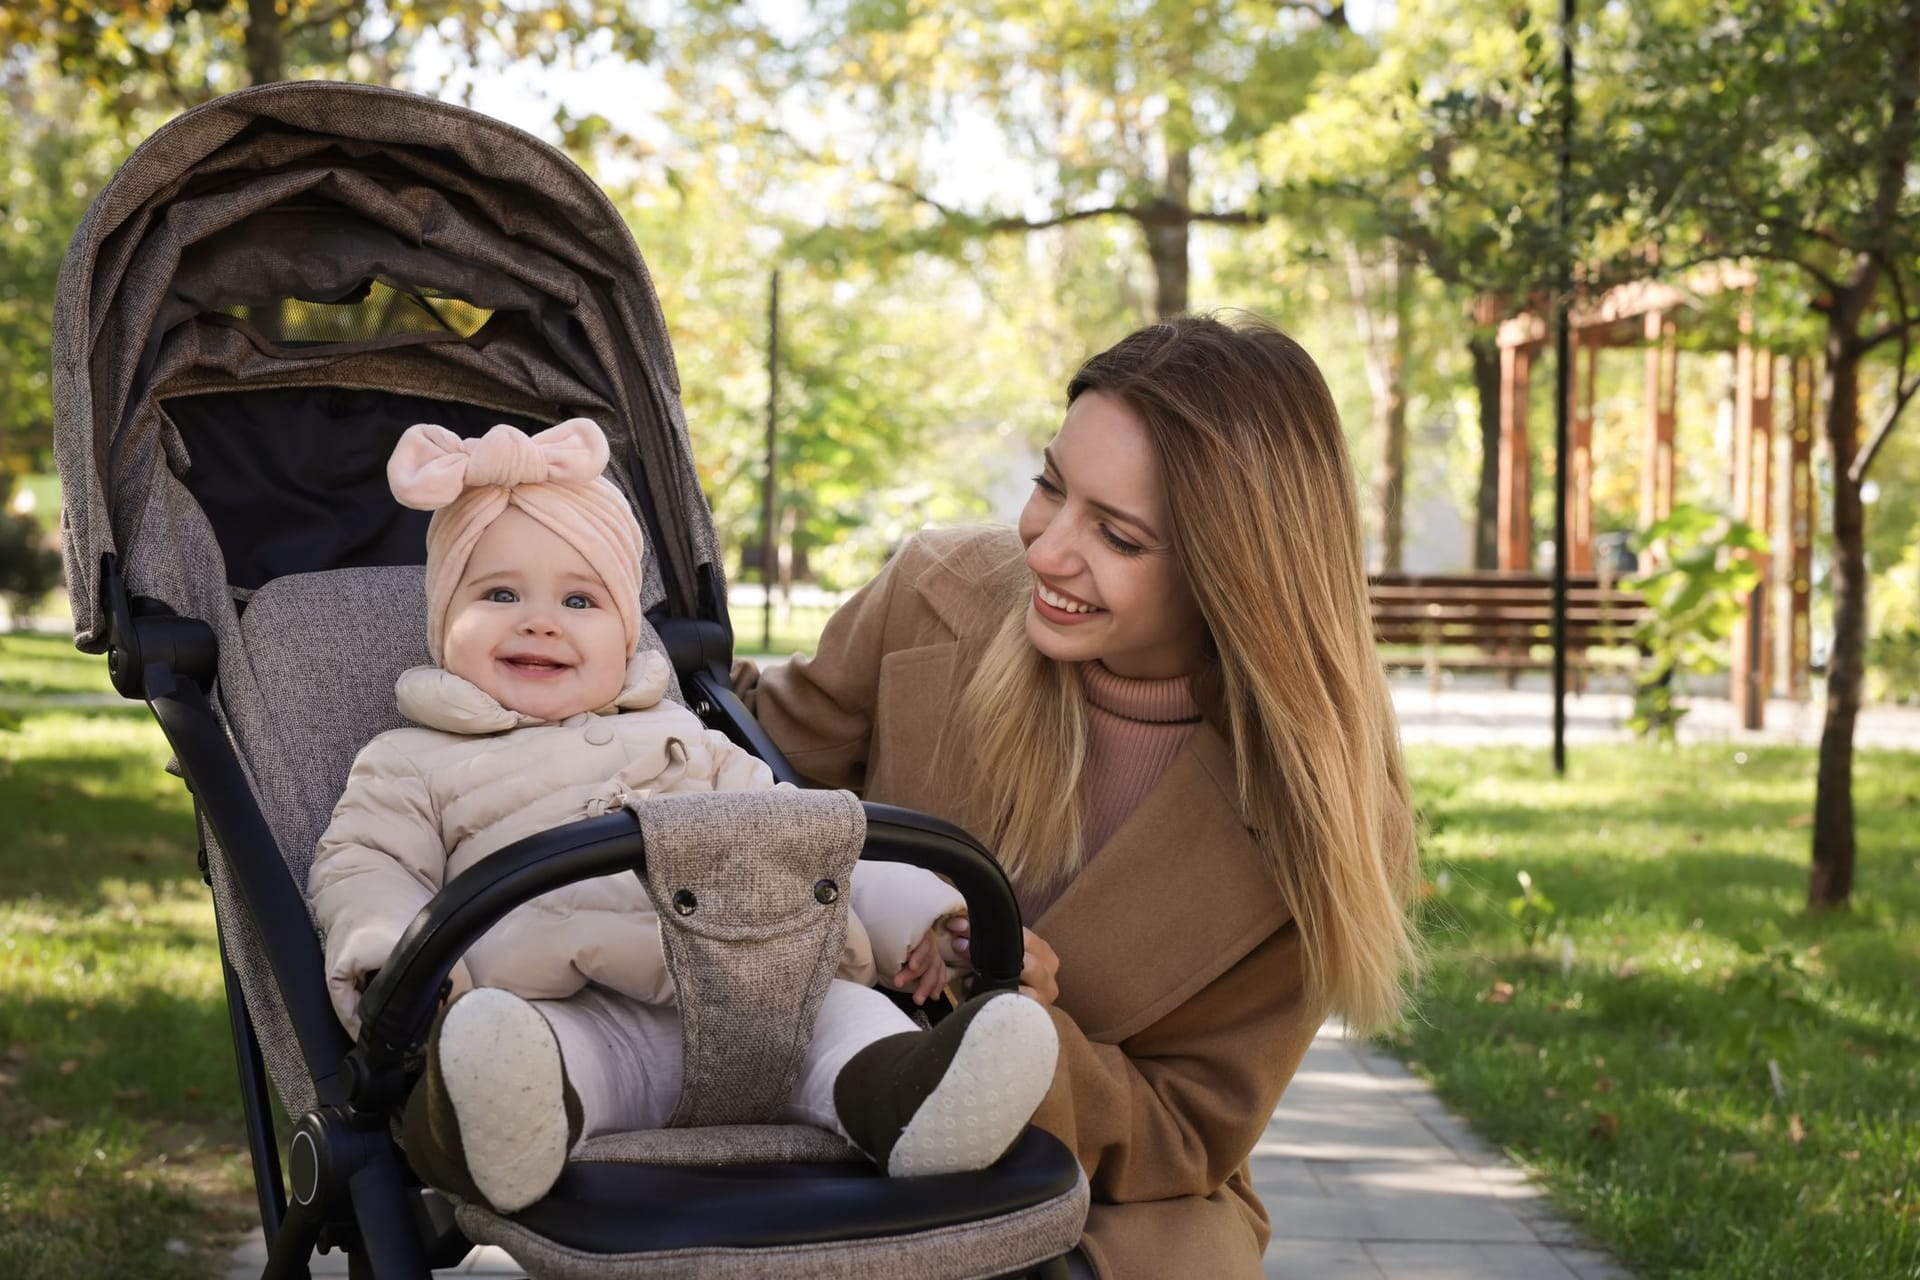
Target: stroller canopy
[(279, 282)]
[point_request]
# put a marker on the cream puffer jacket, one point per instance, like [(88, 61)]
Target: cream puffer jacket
[(423, 804)]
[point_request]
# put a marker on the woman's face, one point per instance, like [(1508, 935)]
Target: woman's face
[(1107, 583)]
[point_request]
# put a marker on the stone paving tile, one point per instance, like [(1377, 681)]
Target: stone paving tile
[(1283, 1176), (251, 1256), (1592, 1264), (1429, 1261), (1380, 1213), (1320, 1260)]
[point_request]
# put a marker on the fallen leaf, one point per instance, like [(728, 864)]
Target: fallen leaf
[(1603, 1085), (1695, 837), (1796, 1132), (44, 1125), (1549, 1092), (18, 1052), (1605, 1126), (70, 1066), (1849, 1155), (1626, 970), (1743, 1159), (194, 1092), (1500, 993), (129, 1095)]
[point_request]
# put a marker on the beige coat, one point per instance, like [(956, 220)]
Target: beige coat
[(1181, 1012), (423, 804)]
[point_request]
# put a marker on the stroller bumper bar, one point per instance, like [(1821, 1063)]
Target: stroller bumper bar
[(398, 1008)]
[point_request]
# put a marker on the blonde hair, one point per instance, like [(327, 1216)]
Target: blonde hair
[(1266, 526)]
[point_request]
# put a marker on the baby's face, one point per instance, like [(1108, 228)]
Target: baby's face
[(531, 624)]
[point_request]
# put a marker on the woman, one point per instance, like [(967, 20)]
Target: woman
[(1160, 705)]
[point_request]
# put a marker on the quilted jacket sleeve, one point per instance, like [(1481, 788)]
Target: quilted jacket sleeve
[(380, 860), (897, 904)]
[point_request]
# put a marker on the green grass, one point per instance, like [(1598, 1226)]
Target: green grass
[(117, 1088), (34, 663), (1632, 1071), (795, 630)]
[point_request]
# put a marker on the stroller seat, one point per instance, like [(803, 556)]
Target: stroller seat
[(271, 289)]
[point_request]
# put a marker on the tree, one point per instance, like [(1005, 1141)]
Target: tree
[(1786, 133), (1440, 145), (140, 57), (1140, 112), (57, 151)]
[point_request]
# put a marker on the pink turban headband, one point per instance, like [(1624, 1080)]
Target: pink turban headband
[(555, 476)]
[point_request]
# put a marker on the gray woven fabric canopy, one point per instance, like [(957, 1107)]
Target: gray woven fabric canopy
[(326, 235)]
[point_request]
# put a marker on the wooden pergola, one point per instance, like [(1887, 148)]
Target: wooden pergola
[(1646, 314)]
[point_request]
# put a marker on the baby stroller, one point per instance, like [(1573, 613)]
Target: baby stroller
[(271, 289)]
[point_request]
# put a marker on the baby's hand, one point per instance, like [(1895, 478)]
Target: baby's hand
[(924, 973), (959, 938)]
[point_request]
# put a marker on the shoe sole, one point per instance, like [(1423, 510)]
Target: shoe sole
[(999, 1074), (501, 1067)]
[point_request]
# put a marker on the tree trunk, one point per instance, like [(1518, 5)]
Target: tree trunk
[(266, 43), (1485, 350), (1831, 880), (1167, 239), (1384, 339), (1390, 486)]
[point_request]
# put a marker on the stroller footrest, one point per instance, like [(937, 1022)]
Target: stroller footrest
[(618, 1208)]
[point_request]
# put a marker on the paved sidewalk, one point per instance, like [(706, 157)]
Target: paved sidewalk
[(1473, 711), (1367, 1177)]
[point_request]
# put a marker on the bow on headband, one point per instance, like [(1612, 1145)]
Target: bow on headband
[(432, 466)]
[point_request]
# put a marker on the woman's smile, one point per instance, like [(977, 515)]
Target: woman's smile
[(1058, 607)]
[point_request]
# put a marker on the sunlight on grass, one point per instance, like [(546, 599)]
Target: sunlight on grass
[(116, 1079), (1691, 1062), (36, 663)]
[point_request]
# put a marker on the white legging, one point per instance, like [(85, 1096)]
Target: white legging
[(624, 1055)]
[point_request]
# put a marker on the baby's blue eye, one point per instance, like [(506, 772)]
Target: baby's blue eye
[(502, 595), (578, 600)]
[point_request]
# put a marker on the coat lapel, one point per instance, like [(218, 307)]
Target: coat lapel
[(1184, 844)]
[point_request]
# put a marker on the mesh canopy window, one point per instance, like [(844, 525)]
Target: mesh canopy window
[(376, 310)]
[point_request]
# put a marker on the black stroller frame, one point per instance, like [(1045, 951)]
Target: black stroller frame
[(346, 1184)]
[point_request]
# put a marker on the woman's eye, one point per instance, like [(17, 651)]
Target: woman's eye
[(1046, 486), (1119, 543), (578, 600), (502, 595)]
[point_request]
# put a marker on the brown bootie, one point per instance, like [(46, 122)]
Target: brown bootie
[(953, 1098), (493, 1116)]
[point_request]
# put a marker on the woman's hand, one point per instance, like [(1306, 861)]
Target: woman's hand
[(1039, 968), (1040, 971), (923, 972)]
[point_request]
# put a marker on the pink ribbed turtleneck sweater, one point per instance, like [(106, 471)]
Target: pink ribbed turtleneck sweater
[(1134, 729)]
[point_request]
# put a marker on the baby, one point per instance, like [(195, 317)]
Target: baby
[(541, 708)]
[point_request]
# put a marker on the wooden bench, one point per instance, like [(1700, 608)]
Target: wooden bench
[(1499, 622)]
